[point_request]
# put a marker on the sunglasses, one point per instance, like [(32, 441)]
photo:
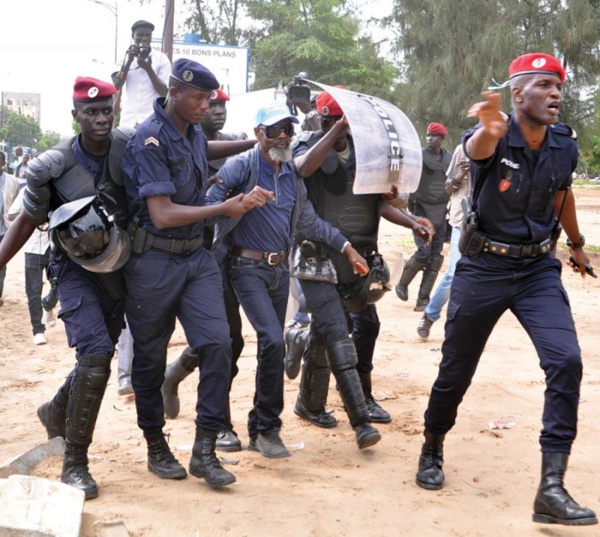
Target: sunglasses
[(274, 131), (327, 122)]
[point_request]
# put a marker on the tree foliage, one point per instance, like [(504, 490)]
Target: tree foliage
[(451, 51), (19, 129)]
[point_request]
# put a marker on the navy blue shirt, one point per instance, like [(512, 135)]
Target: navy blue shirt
[(160, 161), (516, 200), (268, 228)]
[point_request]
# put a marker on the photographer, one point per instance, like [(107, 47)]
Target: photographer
[(143, 76)]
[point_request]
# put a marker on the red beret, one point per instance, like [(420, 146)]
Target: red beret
[(327, 106), (437, 129), (89, 90), (218, 96), (536, 62)]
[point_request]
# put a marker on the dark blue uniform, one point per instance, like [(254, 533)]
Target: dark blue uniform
[(170, 275), (516, 207)]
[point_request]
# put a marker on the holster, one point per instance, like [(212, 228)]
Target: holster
[(471, 240)]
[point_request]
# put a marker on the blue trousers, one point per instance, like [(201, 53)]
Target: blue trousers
[(482, 290), (262, 291), (442, 291), (163, 287)]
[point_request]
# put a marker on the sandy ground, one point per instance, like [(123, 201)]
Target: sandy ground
[(328, 487)]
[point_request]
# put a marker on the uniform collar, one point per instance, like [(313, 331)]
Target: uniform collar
[(165, 119), (515, 137)]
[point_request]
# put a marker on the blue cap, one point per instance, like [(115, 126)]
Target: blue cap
[(274, 113), (193, 74)]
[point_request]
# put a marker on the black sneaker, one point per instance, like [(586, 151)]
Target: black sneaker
[(424, 327), (270, 445)]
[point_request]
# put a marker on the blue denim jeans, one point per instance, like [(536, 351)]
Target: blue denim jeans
[(442, 291), (262, 291)]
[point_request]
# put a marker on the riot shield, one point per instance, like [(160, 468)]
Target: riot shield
[(387, 146)]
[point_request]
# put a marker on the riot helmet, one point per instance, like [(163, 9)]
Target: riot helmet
[(88, 234), (368, 289)]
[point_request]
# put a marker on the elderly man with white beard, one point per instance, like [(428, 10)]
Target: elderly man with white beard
[(254, 250)]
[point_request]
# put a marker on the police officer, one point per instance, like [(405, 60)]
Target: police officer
[(212, 124), (326, 159), (429, 200), (92, 303), (522, 174), (171, 275)]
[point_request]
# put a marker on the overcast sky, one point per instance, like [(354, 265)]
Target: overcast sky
[(46, 44)]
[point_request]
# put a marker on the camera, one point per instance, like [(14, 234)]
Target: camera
[(298, 91), (145, 51)]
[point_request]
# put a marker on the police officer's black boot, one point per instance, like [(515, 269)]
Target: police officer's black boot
[(161, 461), (227, 439), (87, 390), (430, 274), (430, 474), (205, 464), (53, 414), (178, 370), (553, 504), (376, 413), (343, 360), (295, 341), (314, 385), (410, 271)]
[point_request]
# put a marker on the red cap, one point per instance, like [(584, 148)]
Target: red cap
[(218, 96), (327, 106), (437, 129), (89, 90), (537, 62)]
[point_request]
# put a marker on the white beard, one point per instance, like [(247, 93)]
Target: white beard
[(280, 155)]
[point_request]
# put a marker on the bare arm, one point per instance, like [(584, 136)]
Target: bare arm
[(308, 163), (569, 222), (225, 148), (166, 214), (18, 233), (146, 64)]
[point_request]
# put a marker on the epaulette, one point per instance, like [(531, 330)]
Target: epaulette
[(565, 130)]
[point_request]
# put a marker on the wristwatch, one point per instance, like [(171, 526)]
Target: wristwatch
[(579, 244)]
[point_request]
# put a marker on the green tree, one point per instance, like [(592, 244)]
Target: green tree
[(215, 20), (48, 140), (19, 129), (450, 51)]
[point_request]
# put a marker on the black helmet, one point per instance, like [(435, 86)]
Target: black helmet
[(369, 289), (89, 235)]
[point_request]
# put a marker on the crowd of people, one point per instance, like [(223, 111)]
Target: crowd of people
[(168, 219)]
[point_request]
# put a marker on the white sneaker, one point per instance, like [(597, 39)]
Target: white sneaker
[(50, 318), (39, 339)]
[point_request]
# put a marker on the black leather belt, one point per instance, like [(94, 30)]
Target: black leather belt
[(518, 250), (267, 257), (142, 241)]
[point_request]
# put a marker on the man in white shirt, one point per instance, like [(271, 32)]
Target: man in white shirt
[(142, 78), (9, 187)]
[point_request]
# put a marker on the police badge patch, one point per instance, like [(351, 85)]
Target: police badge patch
[(188, 76), (152, 140), (93, 92)]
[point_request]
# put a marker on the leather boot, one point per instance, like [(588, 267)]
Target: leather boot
[(53, 414), (75, 471), (553, 504), (178, 370), (430, 474), (227, 439), (205, 464), (430, 274), (410, 271), (343, 360), (161, 461), (376, 413), (295, 341), (87, 390), (314, 386)]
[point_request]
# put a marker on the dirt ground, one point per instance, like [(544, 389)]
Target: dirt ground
[(328, 487)]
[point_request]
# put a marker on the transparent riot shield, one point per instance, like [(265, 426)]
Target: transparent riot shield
[(387, 146)]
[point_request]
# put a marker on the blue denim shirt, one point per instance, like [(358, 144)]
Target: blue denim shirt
[(240, 174)]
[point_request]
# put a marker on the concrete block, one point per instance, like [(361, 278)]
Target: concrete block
[(34, 506), (111, 529), (24, 463)]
